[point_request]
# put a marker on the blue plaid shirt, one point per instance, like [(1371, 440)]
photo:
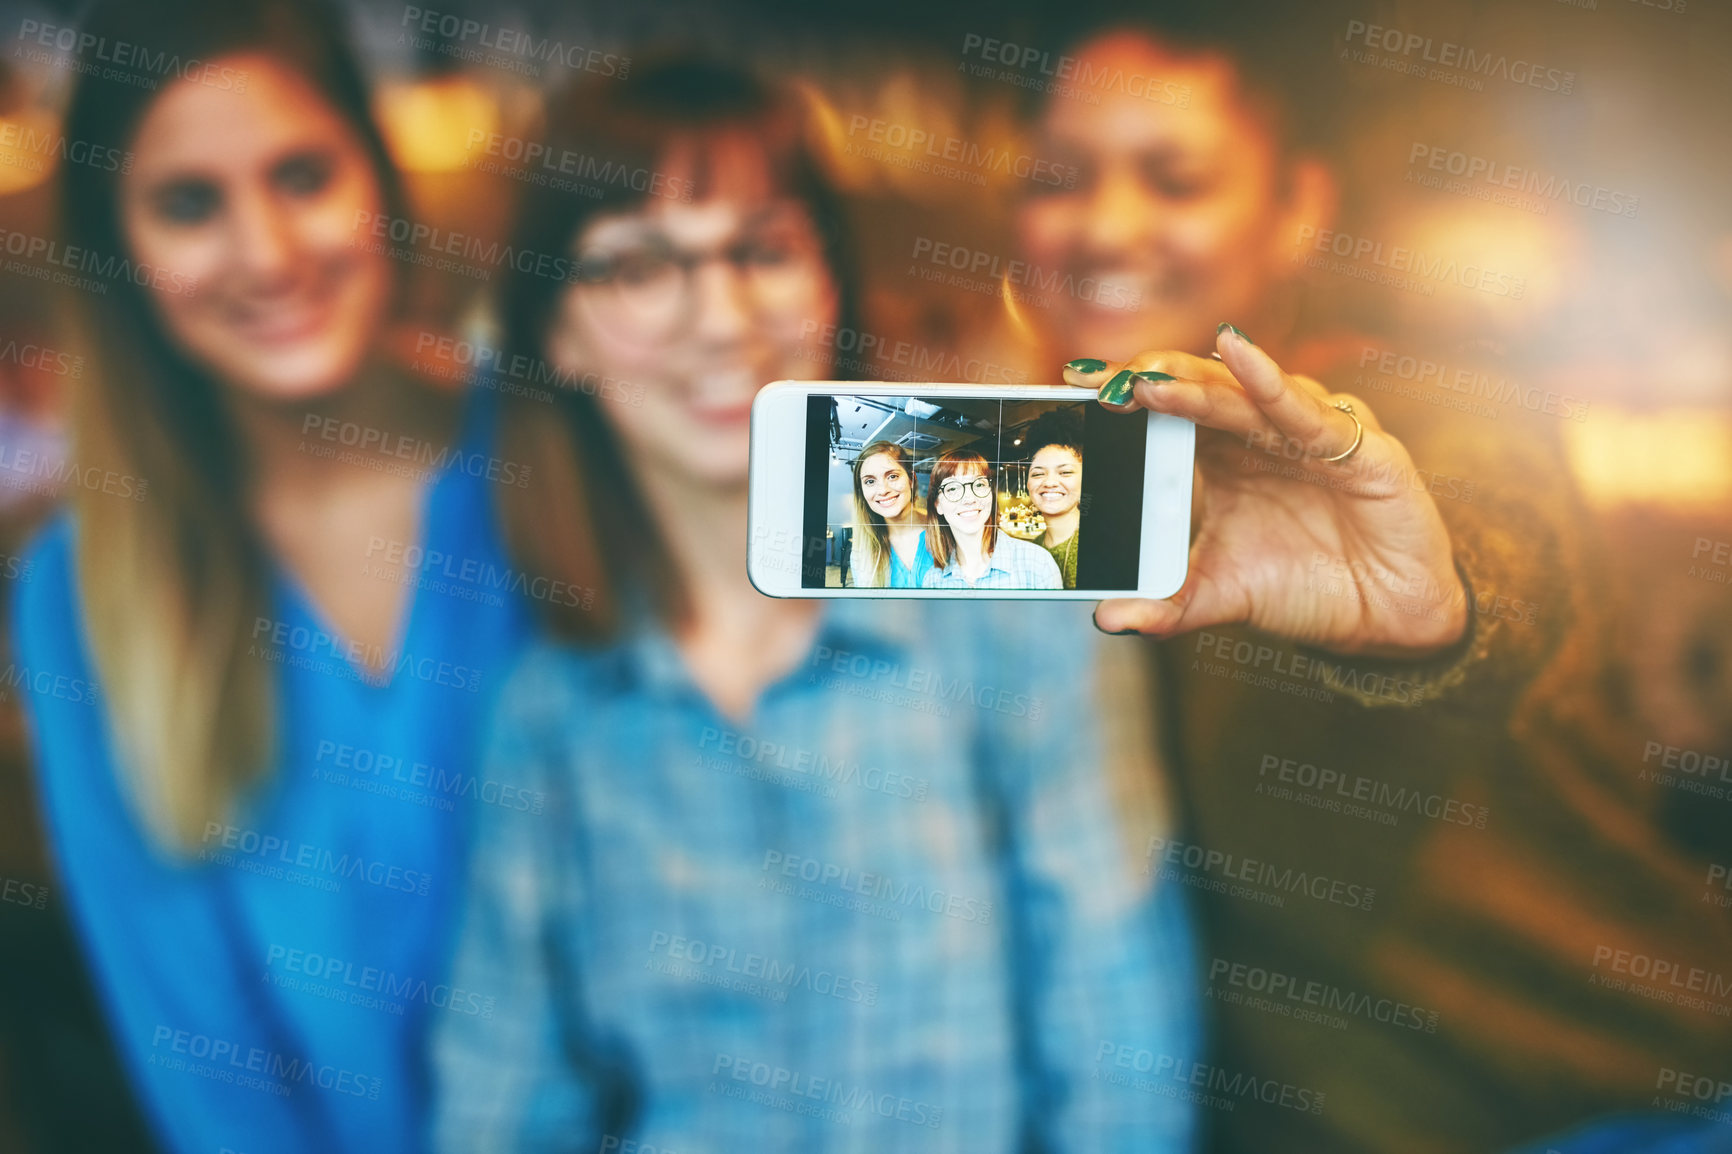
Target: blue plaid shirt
[(1014, 564), (892, 911)]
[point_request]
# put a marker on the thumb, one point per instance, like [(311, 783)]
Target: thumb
[(1200, 604), (1137, 615)]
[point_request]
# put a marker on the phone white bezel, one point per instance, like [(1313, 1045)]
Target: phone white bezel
[(778, 488)]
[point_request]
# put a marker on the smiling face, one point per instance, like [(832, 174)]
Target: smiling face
[(1177, 212), (252, 197), (885, 486), (700, 304), (961, 503), (1055, 480)]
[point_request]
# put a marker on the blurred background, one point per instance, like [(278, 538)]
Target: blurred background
[(1618, 230)]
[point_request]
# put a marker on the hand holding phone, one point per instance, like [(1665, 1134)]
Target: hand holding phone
[(1313, 522)]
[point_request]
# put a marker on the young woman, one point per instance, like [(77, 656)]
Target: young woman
[(1055, 485), (776, 906), (257, 795), (889, 536), (968, 551), (1186, 201), (1189, 199)]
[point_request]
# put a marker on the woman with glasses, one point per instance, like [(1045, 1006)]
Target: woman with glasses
[(889, 535), (772, 906), (968, 551)]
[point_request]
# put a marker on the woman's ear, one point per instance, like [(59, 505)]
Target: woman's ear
[(1312, 201)]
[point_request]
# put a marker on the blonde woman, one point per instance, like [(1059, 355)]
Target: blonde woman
[(889, 536), (257, 698)]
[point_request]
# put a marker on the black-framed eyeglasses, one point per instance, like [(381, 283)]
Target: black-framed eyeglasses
[(646, 288), (954, 490)]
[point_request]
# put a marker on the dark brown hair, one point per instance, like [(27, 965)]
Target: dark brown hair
[(1060, 427), (587, 523), (1299, 105)]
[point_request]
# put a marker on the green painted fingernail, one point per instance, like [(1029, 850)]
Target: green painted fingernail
[(1155, 378), (1085, 365), (1118, 390), (1237, 331)]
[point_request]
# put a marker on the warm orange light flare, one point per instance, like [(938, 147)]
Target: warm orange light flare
[(1679, 457), (30, 146), (433, 125)]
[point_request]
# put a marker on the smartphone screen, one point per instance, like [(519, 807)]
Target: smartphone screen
[(940, 493)]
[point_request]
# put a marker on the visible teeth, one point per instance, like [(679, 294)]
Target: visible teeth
[(1123, 290)]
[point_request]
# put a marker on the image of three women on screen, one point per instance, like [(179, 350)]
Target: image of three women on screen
[(957, 543)]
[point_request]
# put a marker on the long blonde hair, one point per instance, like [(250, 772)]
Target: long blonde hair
[(171, 572), (871, 533)]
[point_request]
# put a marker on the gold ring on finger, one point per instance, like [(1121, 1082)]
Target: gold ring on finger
[(1358, 434)]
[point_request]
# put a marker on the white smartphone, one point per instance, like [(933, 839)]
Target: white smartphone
[(874, 489)]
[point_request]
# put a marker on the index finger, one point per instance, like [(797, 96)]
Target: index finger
[(1297, 413)]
